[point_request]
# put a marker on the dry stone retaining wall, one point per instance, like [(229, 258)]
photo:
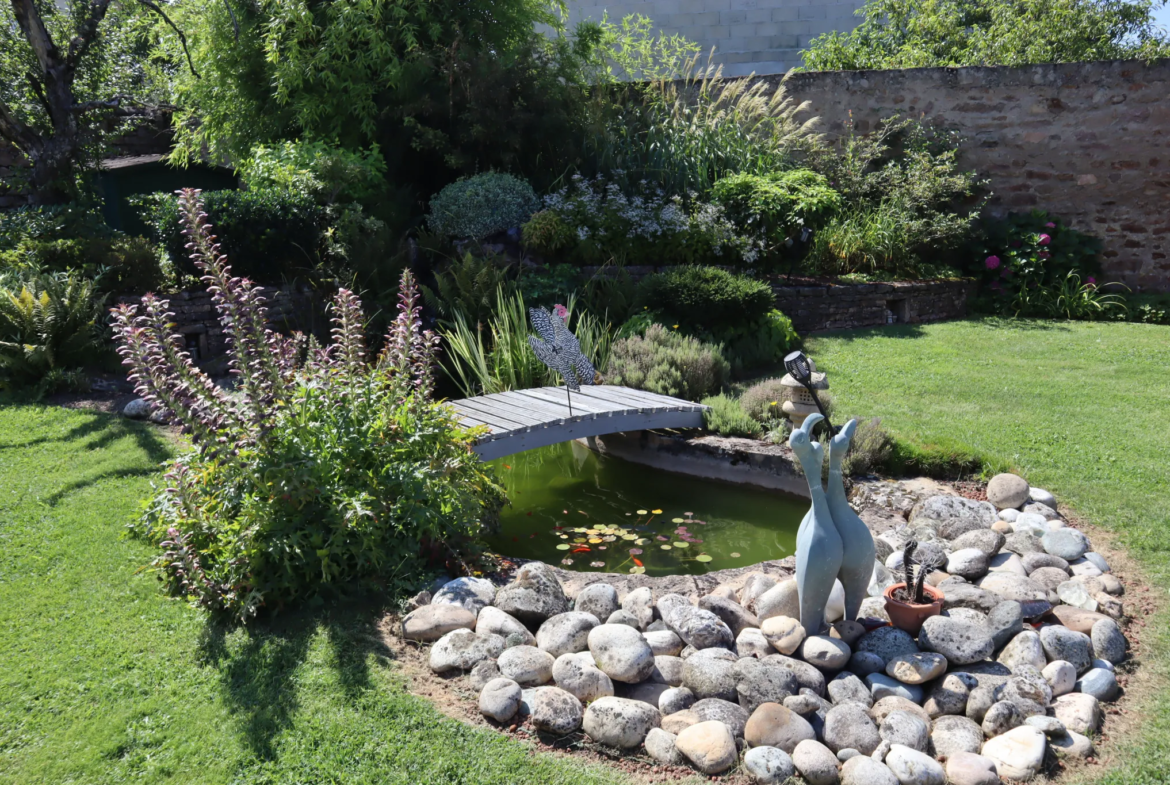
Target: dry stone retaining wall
[(830, 307), (1088, 142)]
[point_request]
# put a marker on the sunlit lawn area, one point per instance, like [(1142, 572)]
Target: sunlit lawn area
[(104, 680)]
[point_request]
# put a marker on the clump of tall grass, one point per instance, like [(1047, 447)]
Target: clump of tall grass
[(494, 356), (690, 126)]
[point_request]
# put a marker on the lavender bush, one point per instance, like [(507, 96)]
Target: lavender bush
[(322, 472)]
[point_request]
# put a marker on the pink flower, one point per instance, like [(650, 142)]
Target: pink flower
[(562, 312), (992, 262), (1091, 281), (1050, 225), (635, 551), (1045, 239)]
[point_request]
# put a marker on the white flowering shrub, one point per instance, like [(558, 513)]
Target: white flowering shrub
[(477, 207), (648, 227)]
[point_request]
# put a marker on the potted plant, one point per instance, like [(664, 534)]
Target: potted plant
[(912, 602)]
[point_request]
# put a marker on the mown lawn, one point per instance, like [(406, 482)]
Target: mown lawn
[(1080, 409), (104, 680)]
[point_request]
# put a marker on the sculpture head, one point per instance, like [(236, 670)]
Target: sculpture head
[(809, 451), (839, 445)]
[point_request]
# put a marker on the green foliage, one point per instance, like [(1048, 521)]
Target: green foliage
[(123, 264), (546, 233), (469, 286), (273, 234), (907, 206), (611, 290), (666, 362), (494, 355), (763, 401), (683, 126), (326, 172), (648, 227), (757, 342), (727, 418), (777, 205), (871, 451), (51, 222), (1145, 308), (49, 324), (708, 298), (482, 205), (549, 285), (1032, 265), (921, 33)]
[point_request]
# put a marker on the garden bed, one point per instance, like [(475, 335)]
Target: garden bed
[(1034, 675)]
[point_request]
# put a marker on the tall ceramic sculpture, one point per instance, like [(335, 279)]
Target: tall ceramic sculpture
[(856, 540), (819, 551)]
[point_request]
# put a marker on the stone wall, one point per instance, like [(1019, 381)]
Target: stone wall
[(289, 308), (831, 307), (749, 36), (1088, 142)]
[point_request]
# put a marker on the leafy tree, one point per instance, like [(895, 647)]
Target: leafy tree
[(66, 78), (921, 33)]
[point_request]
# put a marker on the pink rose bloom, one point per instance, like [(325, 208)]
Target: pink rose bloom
[(1050, 225), (992, 262), (1045, 239)]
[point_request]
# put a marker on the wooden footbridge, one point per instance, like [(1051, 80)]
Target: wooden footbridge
[(522, 420)]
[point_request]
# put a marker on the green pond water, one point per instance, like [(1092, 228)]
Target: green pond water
[(566, 498)]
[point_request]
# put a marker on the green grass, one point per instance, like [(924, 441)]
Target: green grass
[(104, 680), (1082, 409)]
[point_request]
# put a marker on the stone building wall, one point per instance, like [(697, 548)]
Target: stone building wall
[(1088, 142), (825, 307), (749, 36), (289, 308)]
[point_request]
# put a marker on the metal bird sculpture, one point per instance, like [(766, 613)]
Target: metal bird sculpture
[(560, 350)]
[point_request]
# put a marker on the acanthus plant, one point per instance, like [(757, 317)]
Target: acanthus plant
[(321, 470)]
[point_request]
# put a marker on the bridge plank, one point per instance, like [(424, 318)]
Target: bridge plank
[(498, 410), (586, 408), (622, 399), (552, 413), (626, 393)]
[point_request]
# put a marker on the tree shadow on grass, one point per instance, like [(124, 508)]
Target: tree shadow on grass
[(260, 664)]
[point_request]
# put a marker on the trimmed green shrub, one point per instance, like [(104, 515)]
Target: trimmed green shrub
[(666, 362), (49, 324), (871, 450), (546, 233), (272, 235), (707, 298), (56, 222), (777, 205), (762, 401), (123, 264), (757, 342), (726, 417), (482, 205)]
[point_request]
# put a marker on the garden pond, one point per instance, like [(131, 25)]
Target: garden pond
[(574, 508)]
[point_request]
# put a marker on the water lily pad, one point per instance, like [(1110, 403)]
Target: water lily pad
[(665, 547), (594, 540), (641, 512), (681, 544), (656, 512), (629, 536), (563, 547), (637, 570), (676, 520), (735, 555), (641, 541), (703, 558), (578, 539)]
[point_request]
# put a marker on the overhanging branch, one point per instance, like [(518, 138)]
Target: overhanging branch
[(182, 38)]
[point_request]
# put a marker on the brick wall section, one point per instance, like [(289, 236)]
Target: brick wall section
[(289, 308), (813, 308), (1088, 142)]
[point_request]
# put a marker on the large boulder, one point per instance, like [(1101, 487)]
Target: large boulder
[(460, 650), (709, 673), (1061, 643), (534, 595), (953, 516), (431, 622), (528, 666), (730, 714), (914, 767), (784, 633), (902, 727), (887, 643), (733, 615), (495, 621), (768, 765), (970, 768), (987, 540), (1017, 754), (700, 628), (849, 726), (949, 695), (1078, 712), (1108, 641), (966, 595), (864, 770), (917, 668), (555, 711), (758, 682), (599, 599), (474, 594), (1032, 596), (806, 675), (1068, 544), (619, 722), (577, 675), (621, 652), (1024, 650), (816, 763), (500, 700), (640, 604), (1004, 622), (1007, 491), (772, 725), (781, 600), (709, 746), (668, 670), (960, 643), (951, 735), (566, 633), (664, 642)]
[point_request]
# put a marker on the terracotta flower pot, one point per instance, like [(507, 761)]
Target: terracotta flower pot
[(909, 616)]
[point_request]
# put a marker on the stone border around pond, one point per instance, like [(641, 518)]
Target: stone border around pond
[(695, 670)]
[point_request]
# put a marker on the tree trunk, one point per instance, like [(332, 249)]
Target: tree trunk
[(52, 171)]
